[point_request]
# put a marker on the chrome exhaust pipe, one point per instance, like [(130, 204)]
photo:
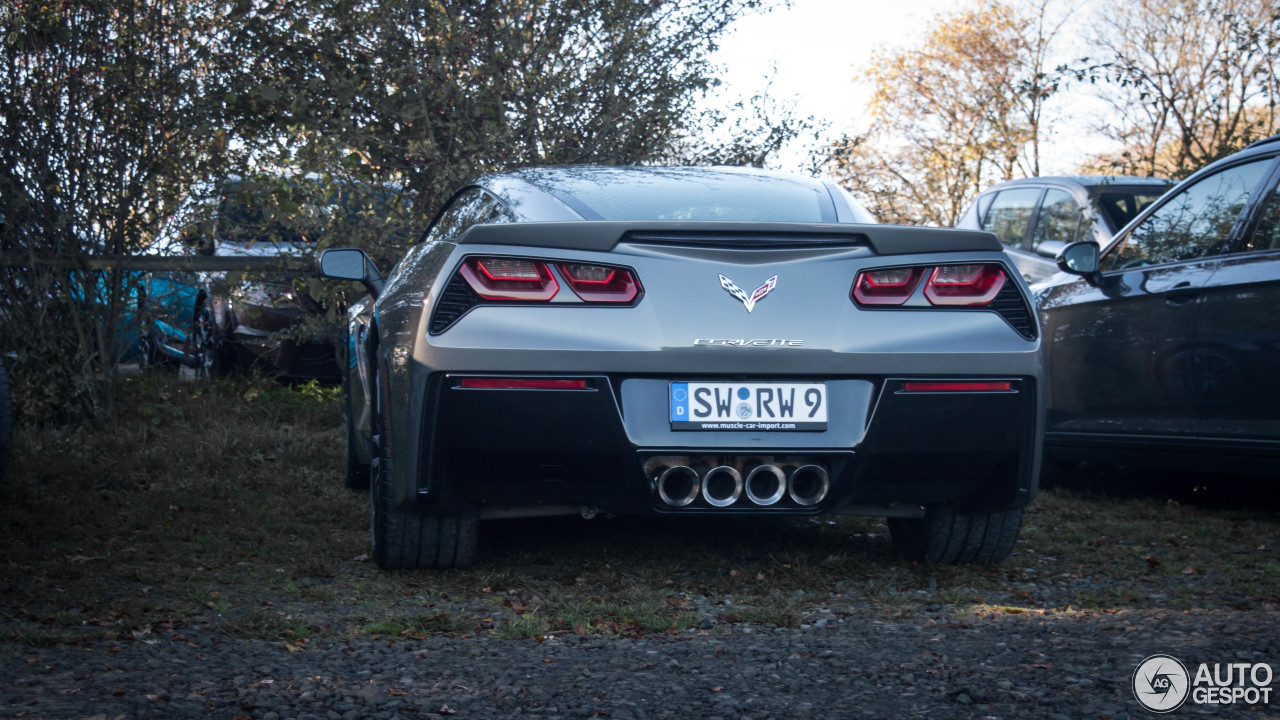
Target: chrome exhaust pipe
[(766, 484), (808, 485), (678, 486), (722, 486)]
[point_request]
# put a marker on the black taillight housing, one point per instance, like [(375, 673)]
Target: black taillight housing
[(972, 286), (503, 280)]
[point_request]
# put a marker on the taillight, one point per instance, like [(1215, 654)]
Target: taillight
[(886, 287), (964, 284), (496, 278), (976, 284), (600, 283)]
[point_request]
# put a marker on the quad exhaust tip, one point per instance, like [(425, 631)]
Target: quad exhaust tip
[(808, 485), (766, 484), (722, 486), (678, 486)]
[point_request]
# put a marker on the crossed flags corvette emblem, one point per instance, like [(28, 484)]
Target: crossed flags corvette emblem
[(755, 297)]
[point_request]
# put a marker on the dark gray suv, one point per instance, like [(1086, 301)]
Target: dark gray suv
[(1036, 217), (1164, 346)]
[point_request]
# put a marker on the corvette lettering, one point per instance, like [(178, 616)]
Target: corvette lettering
[(743, 342)]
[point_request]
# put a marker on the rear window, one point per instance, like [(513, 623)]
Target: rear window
[(629, 194), (1119, 205)]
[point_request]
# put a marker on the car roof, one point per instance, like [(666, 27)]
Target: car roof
[(610, 193), (1263, 141), (1083, 181)]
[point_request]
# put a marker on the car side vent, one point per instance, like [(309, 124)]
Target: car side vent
[(453, 303), (1010, 305)]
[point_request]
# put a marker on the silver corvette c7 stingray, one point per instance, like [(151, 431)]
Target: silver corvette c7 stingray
[(689, 341)]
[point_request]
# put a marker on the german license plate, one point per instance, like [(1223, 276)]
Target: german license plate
[(748, 406)]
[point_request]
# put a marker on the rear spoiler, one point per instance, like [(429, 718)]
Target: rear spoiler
[(604, 236)]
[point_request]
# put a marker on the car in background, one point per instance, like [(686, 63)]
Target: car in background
[(1036, 217), (689, 342), (268, 321), (1163, 345)]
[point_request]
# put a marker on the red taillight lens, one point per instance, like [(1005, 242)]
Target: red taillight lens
[(600, 283), (510, 279), (964, 284), (886, 287), (949, 386), (523, 384)]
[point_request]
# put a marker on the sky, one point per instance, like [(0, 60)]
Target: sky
[(813, 50)]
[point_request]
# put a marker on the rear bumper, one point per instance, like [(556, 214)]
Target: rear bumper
[(885, 451)]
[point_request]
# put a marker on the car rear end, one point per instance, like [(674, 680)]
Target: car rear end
[(715, 369)]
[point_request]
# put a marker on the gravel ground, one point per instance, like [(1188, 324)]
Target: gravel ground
[(996, 665)]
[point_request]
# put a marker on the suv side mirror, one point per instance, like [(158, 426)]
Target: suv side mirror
[(351, 264), (1080, 258)]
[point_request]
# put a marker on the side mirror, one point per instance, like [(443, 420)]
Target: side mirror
[(352, 264), (1050, 248), (1081, 258)]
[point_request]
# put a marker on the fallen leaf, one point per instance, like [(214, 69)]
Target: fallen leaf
[(1188, 571), (717, 688), (444, 710)]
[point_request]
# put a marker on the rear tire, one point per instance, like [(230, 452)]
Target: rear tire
[(412, 540), (357, 473), (946, 537), (6, 421), (208, 346)]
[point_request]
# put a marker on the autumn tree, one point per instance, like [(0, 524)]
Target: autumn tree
[(960, 111), (110, 111), (1188, 81), (428, 95), (107, 112)]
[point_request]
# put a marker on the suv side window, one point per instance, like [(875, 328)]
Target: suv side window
[(1010, 214), (1195, 223), (1059, 218), (1267, 236), (471, 207)]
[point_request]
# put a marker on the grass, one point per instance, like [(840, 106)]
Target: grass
[(222, 505)]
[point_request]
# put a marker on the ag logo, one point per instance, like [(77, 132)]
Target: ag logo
[(1161, 683)]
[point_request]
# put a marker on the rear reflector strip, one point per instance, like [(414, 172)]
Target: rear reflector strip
[(998, 386), (523, 384)]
